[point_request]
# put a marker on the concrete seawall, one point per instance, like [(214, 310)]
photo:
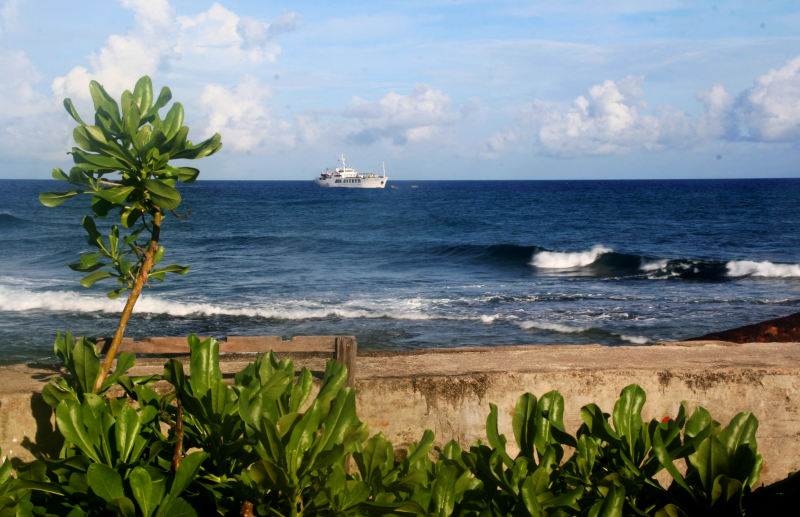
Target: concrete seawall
[(449, 390)]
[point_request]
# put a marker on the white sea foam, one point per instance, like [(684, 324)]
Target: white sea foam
[(762, 269), (15, 299), (552, 326), (567, 260), (636, 340), (655, 265), (490, 318), (19, 299)]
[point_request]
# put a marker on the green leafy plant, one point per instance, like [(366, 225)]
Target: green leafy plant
[(123, 162), (265, 443)]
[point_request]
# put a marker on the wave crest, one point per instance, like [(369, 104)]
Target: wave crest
[(568, 260), (765, 269)]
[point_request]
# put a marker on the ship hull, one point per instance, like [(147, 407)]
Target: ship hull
[(378, 182)]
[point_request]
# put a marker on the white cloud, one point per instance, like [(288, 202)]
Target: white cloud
[(244, 118), (33, 122), (770, 110), (421, 116), (615, 119), (160, 40), (9, 12), (717, 121), (29, 119)]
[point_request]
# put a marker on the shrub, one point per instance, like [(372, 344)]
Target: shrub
[(262, 445)]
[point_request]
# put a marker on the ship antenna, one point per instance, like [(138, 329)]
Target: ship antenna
[(383, 166)]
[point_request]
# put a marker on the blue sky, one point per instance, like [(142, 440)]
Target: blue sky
[(435, 89)]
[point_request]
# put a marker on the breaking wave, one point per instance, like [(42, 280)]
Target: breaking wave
[(567, 260), (764, 269), (604, 262), (587, 331), (21, 300)]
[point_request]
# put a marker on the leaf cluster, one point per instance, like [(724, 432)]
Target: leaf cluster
[(123, 162), (268, 443)]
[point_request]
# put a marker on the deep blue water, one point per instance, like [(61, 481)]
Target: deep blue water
[(449, 263)]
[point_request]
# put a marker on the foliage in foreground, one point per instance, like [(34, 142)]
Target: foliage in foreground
[(123, 162), (262, 445)]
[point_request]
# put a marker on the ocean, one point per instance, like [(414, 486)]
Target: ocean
[(446, 264)]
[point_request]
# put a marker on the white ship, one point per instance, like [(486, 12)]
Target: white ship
[(347, 177)]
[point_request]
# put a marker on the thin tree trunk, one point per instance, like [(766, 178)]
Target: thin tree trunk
[(177, 452), (138, 285)]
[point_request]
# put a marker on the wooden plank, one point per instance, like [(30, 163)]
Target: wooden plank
[(325, 345), (304, 344), (346, 351), (251, 344), (102, 344), (160, 345)]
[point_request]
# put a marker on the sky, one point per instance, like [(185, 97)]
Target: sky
[(435, 89)]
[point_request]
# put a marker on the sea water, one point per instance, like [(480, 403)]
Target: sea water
[(449, 263)]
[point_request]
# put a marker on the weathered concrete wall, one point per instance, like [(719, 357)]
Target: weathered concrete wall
[(403, 393)]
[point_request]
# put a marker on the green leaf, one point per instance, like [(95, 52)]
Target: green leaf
[(115, 195), (203, 365), (188, 174), (709, 460), (147, 491), (70, 421), (698, 422), (126, 431), (597, 423), (522, 424), (612, 505), (666, 460), (125, 362), (117, 292), (163, 195), (173, 121), (627, 416), (163, 98), (726, 489), (422, 448), (72, 111), (158, 274), (129, 216), (497, 440), (142, 138), (90, 279), (58, 174), (56, 198), (101, 161), (179, 508), (80, 178), (105, 482), (443, 490), (131, 116), (187, 471), (549, 421), (529, 497), (143, 94), (104, 102), (741, 431), (204, 148), (85, 364)]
